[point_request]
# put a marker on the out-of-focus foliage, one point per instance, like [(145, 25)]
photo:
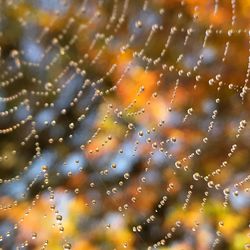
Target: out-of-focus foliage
[(124, 124)]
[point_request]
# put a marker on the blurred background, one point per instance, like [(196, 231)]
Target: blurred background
[(124, 124)]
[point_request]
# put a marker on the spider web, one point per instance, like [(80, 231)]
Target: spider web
[(128, 119)]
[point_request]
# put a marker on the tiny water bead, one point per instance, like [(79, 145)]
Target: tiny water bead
[(140, 133), (139, 228), (48, 86), (138, 24), (178, 164), (210, 184), (59, 217), (67, 246), (196, 176), (130, 126), (34, 235), (126, 176), (71, 125)]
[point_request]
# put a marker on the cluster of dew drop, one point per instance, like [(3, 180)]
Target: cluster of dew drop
[(39, 96)]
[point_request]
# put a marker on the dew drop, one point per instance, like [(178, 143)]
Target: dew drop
[(196, 176)]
